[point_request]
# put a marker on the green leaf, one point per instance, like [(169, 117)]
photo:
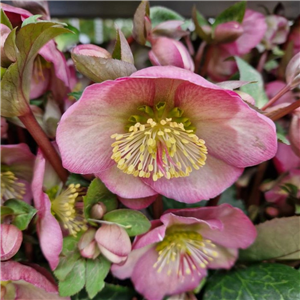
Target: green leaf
[(276, 239), (256, 90), (3, 70), (172, 204), (122, 49), (74, 281), (229, 196), (77, 178), (5, 20), (23, 212), (10, 48), (159, 14), (257, 282), (67, 40), (281, 134), (98, 192), (15, 84), (139, 31), (199, 22), (115, 292), (233, 13), (76, 95), (136, 222), (6, 211), (30, 20), (96, 272), (66, 265)]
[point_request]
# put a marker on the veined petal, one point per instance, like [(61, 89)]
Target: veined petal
[(232, 131), (212, 179), (85, 130), (225, 259), (124, 185), (167, 283)]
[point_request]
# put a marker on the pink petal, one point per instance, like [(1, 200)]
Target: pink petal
[(16, 15), (124, 185), (11, 240), (91, 50), (125, 270), (294, 133), (238, 231), (139, 203), (203, 184), (225, 260), (84, 132), (154, 286), (285, 158), (234, 133)]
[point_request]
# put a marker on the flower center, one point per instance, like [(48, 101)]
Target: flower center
[(63, 206), (11, 188), (184, 252), (163, 145)]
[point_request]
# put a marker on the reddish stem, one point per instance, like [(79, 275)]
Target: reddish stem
[(214, 201), (262, 62), (276, 115), (158, 207), (199, 55), (45, 145), (276, 97), (189, 44)]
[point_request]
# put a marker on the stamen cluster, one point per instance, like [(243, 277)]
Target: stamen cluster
[(10, 187)]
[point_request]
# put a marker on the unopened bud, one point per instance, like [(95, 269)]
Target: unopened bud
[(11, 240), (91, 251), (228, 32), (91, 50), (98, 211), (292, 72), (272, 212), (86, 238)]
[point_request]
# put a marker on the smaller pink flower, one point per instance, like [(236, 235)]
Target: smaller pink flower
[(272, 88), (113, 242), (173, 257), (19, 281), (11, 240), (169, 52), (87, 245), (286, 159), (294, 37), (16, 172), (277, 31)]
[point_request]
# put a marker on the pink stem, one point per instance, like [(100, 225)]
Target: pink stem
[(276, 97), (262, 62)]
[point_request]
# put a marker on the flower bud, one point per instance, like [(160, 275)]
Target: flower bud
[(228, 32), (11, 240), (98, 211), (113, 242), (91, 50), (91, 251), (169, 52), (86, 239), (292, 72)]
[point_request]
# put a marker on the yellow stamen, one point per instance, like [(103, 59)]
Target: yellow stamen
[(11, 188)]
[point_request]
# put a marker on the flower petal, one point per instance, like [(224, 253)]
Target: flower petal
[(155, 285), (212, 179), (225, 260), (124, 185), (233, 132), (11, 240), (84, 132), (139, 203)]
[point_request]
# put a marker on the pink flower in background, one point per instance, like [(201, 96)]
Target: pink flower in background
[(175, 254), (11, 240), (294, 36), (254, 28), (16, 172), (19, 281), (277, 31), (169, 52), (55, 206), (272, 88), (164, 130)]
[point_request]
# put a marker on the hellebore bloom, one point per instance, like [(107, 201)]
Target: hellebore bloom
[(87, 245), (16, 172), (163, 130), (182, 245), (27, 282), (11, 240), (169, 52), (54, 202)]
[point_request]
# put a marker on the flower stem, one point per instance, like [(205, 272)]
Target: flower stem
[(198, 56), (276, 97), (262, 62), (158, 207), (45, 145), (276, 115)]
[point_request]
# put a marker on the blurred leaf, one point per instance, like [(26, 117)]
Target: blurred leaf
[(199, 22), (172, 204), (276, 239), (122, 49), (136, 222), (10, 48), (77, 178), (233, 13), (159, 14), (3, 70), (32, 19), (96, 272), (261, 281), (139, 31), (99, 69), (256, 90), (115, 292), (23, 212), (98, 192), (66, 40), (6, 211), (74, 281), (76, 95), (5, 20)]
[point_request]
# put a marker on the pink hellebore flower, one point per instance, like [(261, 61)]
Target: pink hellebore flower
[(182, 245), (21, 282), (277, 31), (169, 52), (16, 172), (52, 201), (164, 130), (11, 240), (294, 36), (254, 28)]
